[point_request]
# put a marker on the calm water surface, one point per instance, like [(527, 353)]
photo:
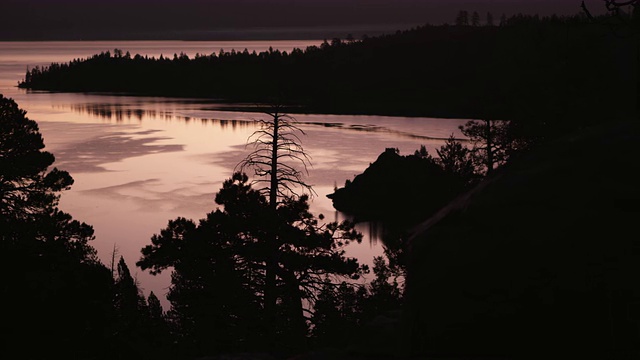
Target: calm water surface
[(141, 161)]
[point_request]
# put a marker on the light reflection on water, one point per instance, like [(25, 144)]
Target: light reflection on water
[(138, 162), (141, 165)]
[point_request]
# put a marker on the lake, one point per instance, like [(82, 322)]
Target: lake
[(141, 161)]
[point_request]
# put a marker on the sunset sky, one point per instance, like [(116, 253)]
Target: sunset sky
[(86, 19)]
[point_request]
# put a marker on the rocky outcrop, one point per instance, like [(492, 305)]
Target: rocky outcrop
[(540, 260), (397, 189)]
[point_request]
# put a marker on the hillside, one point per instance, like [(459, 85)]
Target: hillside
[(538, 261)]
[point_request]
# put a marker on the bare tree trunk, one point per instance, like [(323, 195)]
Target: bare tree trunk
[(113, 261), (270, 296), (275, 134), (298, 322), (489, 147)]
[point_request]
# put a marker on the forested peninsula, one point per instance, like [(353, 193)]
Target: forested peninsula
[(526, 67)]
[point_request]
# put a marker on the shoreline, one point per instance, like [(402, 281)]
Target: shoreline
[(257, 107)]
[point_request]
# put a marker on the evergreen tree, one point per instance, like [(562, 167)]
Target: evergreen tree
[(26, 188), (131, 312), (213, 304), (156, 313), (51, 275), (219, 270), (337, 316), (421, 153), (475, 19), (385, 292), (343, 311), (503, 20), (490, 19), (462, 19), (456, 159), (128, 300), (139, 328), (493, 143)]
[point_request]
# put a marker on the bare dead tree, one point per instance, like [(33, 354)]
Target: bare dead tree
[(614, 7), (114, 254), (276, 150)]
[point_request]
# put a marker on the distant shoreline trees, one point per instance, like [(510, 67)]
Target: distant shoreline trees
[(529, 68)]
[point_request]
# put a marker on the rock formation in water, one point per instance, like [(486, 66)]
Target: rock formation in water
[(397, 188)]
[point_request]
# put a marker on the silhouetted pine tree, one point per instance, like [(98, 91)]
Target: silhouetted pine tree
[(51, 276), (475, 19), (219, 270), (492, 143), (462, 19), (489, 19), (457, 159), (345, 313)]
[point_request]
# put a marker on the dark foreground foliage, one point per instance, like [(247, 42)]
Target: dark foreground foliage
[(539, 260), (57, 296), (64, 301)]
